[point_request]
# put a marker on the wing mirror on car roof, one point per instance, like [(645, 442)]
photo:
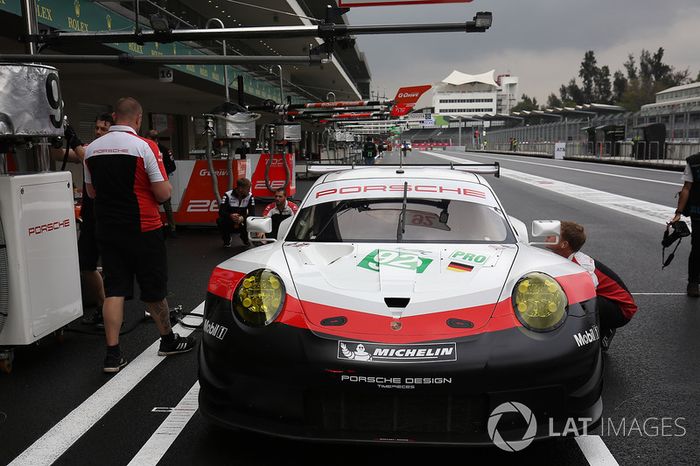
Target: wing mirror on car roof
[(549, 229)]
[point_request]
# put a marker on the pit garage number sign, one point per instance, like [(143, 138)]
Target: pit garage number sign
[(352, 3)]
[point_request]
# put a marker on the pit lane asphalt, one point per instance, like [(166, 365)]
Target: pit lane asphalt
[(651, 371)]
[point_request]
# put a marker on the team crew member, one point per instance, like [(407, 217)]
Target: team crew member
[(170, 167), (126, 177), (237, 205), (369, 151), (689, 204), (278, 210), (88, 252), (616, 305)]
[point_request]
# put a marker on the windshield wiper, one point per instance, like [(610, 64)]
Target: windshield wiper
[(401, 229)]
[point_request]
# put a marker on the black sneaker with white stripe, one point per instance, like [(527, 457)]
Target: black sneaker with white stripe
[(114, 363), (176, 346)]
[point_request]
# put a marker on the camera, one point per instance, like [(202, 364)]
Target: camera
[(679, 230)]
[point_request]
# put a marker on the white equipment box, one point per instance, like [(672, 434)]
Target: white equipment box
[(41, 279)]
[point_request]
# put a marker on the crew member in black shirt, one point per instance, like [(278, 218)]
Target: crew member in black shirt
[(236, 206)]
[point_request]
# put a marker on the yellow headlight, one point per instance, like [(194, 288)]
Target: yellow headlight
[(539, 302), (259, 298)]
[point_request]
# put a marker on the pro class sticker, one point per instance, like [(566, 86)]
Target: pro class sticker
[(399, 259), (469, 258), (382, 353)]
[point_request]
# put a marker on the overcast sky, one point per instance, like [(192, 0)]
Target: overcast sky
[(540, 41)]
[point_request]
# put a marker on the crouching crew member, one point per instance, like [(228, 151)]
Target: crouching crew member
[(278, 210), (237, 205), (616, 305)]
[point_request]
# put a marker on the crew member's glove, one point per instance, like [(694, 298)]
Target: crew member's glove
[(72, 138)]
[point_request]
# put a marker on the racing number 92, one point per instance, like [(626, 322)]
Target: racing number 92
[(53, 94), (401, 260)]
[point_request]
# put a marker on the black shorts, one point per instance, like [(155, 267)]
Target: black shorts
[(140, 255), (88, 250)]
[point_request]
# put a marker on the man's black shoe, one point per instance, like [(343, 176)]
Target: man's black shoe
[(693, 290), (95, 318), (114, 363), (176, 346)]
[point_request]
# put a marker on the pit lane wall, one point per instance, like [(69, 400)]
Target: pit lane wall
[(670, 155)]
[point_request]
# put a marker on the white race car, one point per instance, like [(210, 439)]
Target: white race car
[(401, 304)]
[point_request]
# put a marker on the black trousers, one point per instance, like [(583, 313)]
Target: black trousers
[(694, 257), (611, 315), (227, 227)]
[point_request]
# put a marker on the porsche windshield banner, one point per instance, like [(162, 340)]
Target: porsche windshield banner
[(392, 188)]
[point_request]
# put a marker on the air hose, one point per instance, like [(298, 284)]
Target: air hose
[(287, 173), (4, 279)]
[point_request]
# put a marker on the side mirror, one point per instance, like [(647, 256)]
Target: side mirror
[(550, 229), (284, 227), (257, 227)]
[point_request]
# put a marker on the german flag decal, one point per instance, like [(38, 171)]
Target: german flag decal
[(457, 267)]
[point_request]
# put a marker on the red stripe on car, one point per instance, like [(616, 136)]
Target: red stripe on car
[(578, 287)]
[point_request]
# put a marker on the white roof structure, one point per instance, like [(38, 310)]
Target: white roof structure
[(678, 88), (457, 78)]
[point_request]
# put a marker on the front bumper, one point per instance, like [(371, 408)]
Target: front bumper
[(289, 382)]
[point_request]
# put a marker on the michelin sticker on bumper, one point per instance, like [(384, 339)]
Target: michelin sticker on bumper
[(380, 353)]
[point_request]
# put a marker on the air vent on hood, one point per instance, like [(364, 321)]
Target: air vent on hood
[(397, 302)]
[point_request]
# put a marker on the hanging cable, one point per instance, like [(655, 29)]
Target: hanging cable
[(273, 10)]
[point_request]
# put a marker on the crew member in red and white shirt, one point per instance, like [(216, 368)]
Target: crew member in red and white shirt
[(280, 209), (125, 175), (616, 306)]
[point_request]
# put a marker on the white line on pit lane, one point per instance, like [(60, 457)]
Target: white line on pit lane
[(161, 440), (595, 451), (67, 431), (678, 183), (656, 213), (658, 294)]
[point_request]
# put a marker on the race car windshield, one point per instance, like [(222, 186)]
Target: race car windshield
[(378, 220)]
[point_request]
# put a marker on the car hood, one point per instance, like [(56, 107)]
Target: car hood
[(362, 285)]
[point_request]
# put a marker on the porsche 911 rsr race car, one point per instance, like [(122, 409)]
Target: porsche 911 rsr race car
[(399, 305)]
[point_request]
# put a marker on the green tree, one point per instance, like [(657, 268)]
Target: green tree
[(587, 73), (571, 94), (631, 68), (603, 91), (619, 86), (632, 87), (527, 104), (554, 101)]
